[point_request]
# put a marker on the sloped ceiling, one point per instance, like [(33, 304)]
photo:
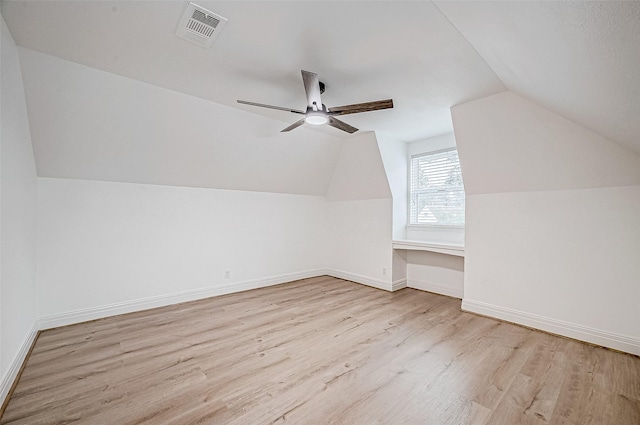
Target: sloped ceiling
[(95, 125), (367, 180), (581, 59), (362, 51), (508, 135), (578, 59)]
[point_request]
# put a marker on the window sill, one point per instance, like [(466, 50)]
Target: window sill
[(411, 245), (431, 227)]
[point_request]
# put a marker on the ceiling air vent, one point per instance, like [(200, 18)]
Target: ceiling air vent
[(200, 26)]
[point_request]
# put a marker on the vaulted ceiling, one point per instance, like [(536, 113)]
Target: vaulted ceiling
[(579, 59), (362, 51)]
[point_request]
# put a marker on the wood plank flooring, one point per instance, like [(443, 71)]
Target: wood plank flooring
[(320, 351)]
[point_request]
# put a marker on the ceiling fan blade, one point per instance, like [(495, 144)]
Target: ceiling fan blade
[(361, 107), (262, 105), (312, 89), (294, 125), (341, 125)]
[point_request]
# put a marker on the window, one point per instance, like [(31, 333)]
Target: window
[(436, 196)]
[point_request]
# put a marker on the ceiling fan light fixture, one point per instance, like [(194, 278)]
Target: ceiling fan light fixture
[(316, 119), (317, 113)]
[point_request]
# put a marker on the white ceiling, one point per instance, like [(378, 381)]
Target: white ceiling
[(362, 51), (578, 59), (581, 59)]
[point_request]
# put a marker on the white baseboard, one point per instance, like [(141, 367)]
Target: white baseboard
[(449, 290), (93, 313), (398, 284), (14, 368), (559, 327), (364, 280)]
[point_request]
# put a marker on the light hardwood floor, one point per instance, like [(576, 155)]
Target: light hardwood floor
[(320, 351)]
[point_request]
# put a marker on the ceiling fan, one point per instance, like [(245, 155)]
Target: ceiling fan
[(317, 113)]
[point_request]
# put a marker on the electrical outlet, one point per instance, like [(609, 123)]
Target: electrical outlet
[(384, 271), (227, 274)]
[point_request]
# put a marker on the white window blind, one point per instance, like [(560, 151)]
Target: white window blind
[(436, 190)]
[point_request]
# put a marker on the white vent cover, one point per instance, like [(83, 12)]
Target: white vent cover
[(200, 26)]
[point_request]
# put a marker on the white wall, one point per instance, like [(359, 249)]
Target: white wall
[(359, 241), (562, 256), (432, 144), (360, 215), (552, 228), (359, 172), (105, 248), (18, 186), (435, 272), (394, 159)]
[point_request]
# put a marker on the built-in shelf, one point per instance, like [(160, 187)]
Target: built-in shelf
[(442, 248)]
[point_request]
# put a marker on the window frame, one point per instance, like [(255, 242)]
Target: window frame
[(425, 226)]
